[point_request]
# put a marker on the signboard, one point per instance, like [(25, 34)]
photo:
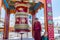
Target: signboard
[(50, 20)]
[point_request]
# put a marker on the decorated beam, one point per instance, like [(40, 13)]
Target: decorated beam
[(6, 3), (10, 4), (37, 5)]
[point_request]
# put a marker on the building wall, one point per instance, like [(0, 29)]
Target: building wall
[(40, 1)]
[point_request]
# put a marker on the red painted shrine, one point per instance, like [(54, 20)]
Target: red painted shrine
[(21, 9)]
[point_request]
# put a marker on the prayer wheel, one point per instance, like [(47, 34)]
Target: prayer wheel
[(21, 17)]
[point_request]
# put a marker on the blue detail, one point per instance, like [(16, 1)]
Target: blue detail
[(6, 4), (30, 17), (37, 5)]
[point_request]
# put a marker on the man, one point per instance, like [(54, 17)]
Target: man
[(37, 29)]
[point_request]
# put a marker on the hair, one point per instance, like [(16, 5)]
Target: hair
[(36, 18)]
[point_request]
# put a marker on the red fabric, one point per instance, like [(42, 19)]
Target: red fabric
[(19, 30), (18, 2), (37, 30), (37, 25), (24, 9), (18, 20)]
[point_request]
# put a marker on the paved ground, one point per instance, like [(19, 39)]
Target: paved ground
[(17, 36), (57, 38), (20, 39)]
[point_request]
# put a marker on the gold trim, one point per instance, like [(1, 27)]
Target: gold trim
[(21, 5)]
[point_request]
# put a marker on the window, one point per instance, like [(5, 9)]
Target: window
[(2, 17)]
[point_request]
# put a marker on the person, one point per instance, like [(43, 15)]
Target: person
[(44, 37), (37, 29)]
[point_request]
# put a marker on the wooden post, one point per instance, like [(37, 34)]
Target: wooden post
[(0, 7), (45, 16), (33, 16), (6, 25), (0, 4)]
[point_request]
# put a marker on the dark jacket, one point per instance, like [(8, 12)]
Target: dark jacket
[(44, 38)]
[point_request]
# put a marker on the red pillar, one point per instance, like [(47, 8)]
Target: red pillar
[(6, 25)]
